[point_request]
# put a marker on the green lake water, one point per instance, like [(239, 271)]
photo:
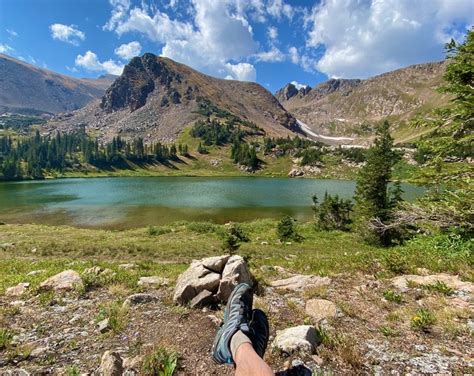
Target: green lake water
[(141, 201)]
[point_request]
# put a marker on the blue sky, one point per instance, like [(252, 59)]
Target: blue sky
[(272, 42)]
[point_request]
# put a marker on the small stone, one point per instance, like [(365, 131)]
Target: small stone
[(264, 243), (103, 326), (301, 338), (202, 299), (111, 364), (18, 290), (35, 272), (215, 320), (300, 281), (136, 299), (133, 363), (318, 360), (39, 352), (319, 309), (127, 266), (153, 281), (33, 250), (5, 246)]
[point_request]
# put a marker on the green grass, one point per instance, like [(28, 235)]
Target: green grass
[(423, 320), (160, 362), (393, 296), (6, 338), (439, 287)]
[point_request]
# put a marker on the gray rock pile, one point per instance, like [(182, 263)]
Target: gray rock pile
[(211, 280)]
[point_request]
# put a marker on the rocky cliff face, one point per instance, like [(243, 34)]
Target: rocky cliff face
[(156, 98), (289, 91), (342, 107), (27, 89)]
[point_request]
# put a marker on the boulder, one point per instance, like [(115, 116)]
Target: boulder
[(137, 299), (452, 281), (111, 364), (301, 338), (153, 281), (195, 279), (215, 263), (295, 172), (319, 309), (18, 290), (300, 281), (235, 272), (205, 297), (65, 281)]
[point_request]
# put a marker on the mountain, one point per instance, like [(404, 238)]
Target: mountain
[(156, 98), (27, 89), (341, 107), (290, 90)]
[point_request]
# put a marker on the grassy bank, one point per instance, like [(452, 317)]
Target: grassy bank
[(167, 250)]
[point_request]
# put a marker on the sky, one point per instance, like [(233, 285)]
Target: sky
[(272, 42)]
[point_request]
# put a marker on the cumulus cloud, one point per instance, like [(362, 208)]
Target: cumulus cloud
[(129, 50), (278, 8), (273, 55), (215, 40), (91, 62), (5, 48), (272, 33), (298, 85), (371, 37), (67, 33)]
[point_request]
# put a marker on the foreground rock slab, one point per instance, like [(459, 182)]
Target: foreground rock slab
[(217, 275), (18, 290), (67, 280), (301, 338), (111, 364), (300, 282), (452, 281)]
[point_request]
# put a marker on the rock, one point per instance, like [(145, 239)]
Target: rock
[(133, 363), (205, 297), (264, 243), (216, 263), (94, 270), (452, 281), (103, 326), (39, 352), (300, 281), (215, 320), (153, 281), (235, 272), (127, 266), (295, 172), (194, 280), (422, 271), (318, 360), (65, 281), (136, 299), (5, 246), (301, 338), (319, 309), (35, 272), (111, 364), (18, 290)]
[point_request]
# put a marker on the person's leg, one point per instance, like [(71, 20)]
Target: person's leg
[(248, 363)]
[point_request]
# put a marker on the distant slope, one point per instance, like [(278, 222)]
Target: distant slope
[(156, 98), (27, 89), (349, 108)]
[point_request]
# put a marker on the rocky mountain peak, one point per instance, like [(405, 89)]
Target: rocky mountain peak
[(290, 90), (140, 77)]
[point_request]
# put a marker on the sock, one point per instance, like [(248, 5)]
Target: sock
[(238, 339)]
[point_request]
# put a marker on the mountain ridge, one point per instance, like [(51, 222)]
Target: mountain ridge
[(27, 89), (156, 98)]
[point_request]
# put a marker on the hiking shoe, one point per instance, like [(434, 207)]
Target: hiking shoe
[(237, 316), (259, 331)]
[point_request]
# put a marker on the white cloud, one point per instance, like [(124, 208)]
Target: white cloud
[(5, 48), (273, 55), (215, 41), (129, 50), (272, 33), (91, 62), (12, 32), (67, 33), (298, 85), (241, 72), (278, 8), (294, 55), (375, 36), (119, 12)]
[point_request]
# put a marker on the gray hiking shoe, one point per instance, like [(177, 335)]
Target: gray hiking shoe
[(237, 316), (259, 331)]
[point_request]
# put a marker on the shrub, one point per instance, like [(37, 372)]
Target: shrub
[(161, 362), (423, 320), (333, 213), (5, 338), (202, 227), (286, 229), (439, 287), (393, 296), (233, 237), (116, 313), (156, 231)]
